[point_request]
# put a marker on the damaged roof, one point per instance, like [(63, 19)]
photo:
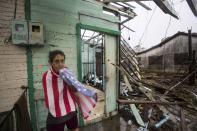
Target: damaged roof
[(164, 5), (166, 40), (193, 6)]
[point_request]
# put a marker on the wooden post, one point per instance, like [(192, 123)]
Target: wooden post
[(192, 68)]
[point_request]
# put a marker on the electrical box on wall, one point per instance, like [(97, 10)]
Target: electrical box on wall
[(36, 33), (19, 32), (27, 33)]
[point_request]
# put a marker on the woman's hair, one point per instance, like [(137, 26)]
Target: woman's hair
[(53, 53)]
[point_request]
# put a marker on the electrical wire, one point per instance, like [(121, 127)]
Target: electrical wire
[(146, 27), (169, 23)]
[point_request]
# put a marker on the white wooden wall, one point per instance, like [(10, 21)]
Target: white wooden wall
[(13, 68)]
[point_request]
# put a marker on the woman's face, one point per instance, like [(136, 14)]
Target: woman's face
[(58, 62)]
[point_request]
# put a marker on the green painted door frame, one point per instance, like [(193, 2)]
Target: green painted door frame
[(30, 72), (80, 26), (93, 28)]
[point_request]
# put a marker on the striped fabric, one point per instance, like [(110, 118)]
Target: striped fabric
[(60, 98)]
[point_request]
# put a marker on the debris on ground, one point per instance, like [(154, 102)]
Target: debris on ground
[(175, 110)]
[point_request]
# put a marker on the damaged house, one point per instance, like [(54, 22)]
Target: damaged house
[(171, 55), (88, 32)]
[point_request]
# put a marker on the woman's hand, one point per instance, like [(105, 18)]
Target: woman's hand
[(95, 97)]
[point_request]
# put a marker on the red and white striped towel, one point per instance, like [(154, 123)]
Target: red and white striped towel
[(61, 99)]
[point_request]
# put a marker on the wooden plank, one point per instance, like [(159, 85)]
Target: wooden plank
[(10, 84), (162, 108), (5, 24), (45, 14), (57, 19), (99, 14), (62, 39), (12, 1), (127, 83), (12, 56), (14, 92), (13, 60), (11, 52), (13, 75), (137, 115), (106, 1), (66, 5), (193, 5), (11, 4), (7, 104), (143, 5), (7, 9), (5, 108), (183, 121), (5, 33), (11, 47), (16, 69), (166, 7), (122, 101), (66, 28), (110, 82), (100, 23), (7, 18), (10, 67), (7, 14)]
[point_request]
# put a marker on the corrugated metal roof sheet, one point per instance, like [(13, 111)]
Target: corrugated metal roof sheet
[(193, 5)]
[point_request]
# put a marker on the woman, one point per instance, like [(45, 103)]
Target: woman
[(61, 97)]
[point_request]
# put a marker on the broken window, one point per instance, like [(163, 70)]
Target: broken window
[(155, 60), (180, 58)]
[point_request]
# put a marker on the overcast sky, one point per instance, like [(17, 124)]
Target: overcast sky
[(149, 31)]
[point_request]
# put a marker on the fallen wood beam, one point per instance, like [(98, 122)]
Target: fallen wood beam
[(122, 11), (137, 115), (150, 95), (127, 28), (124, 21), (193, 5), (121, 101), (183, 122), (106, 1), (129, 5), (143, 5), (180, 82), (166, 7), (127, 83)]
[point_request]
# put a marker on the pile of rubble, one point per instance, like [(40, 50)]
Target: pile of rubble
[(152, 104)]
